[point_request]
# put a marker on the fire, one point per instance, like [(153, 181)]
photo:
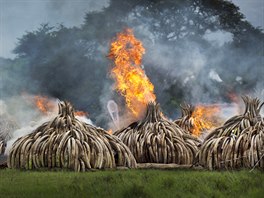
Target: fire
[(204, 117), (110, 131), (46, 105), (43, 104), (131, 81), (80, 113)]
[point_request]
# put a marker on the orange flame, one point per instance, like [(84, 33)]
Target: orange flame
[(126, 52), (43, 104), (110, 131), (204, 117), (80, 113)]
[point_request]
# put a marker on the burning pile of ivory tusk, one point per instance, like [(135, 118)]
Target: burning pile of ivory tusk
[(65, 142), (238, 143), (158, 140)]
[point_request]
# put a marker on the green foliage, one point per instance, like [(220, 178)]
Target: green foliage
[(132, 183)]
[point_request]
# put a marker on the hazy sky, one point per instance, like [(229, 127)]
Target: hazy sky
[(19, 16), (253, 10)]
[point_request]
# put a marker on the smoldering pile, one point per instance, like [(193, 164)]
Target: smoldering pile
[(238, 143), (65, 142), (155, 139)]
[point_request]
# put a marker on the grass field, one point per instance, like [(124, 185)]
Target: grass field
[(132, 183)]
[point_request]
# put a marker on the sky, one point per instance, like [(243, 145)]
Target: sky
[(253, 10), (19, 16)]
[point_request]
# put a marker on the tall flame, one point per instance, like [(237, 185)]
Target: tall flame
[(204, 117), (126, 52)]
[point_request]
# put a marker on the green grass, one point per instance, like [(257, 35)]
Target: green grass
[(132, 183)]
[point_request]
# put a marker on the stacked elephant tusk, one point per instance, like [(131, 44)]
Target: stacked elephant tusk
[(65, 142), (238, 143), (157, 140), (186, 121)]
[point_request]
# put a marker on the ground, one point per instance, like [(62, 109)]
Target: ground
[(132, 183)]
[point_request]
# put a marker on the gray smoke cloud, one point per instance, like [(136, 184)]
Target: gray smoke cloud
[(206, 69), (206, 73)]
